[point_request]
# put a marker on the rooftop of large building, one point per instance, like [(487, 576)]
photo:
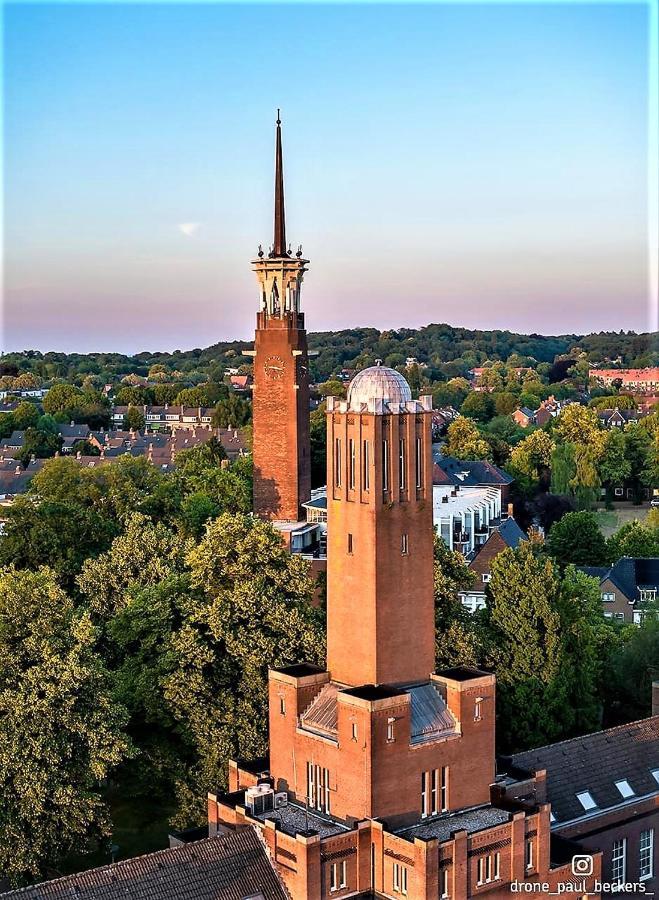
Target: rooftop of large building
[(588, 774), (230, 867), (469, 820)]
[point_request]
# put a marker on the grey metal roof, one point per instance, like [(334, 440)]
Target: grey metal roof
[(377, 383), (231, 867), (431, 718), (511, 532)]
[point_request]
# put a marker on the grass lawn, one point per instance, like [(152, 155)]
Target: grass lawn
[(140, 826), (610, 520)]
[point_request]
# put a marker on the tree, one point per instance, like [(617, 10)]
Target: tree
[(249, 609), (145, 554), (563, 468), (457, 641), (61, 732), (545, 656), (478, 405), (614, 467), (25, 416), (585, 483), (40, 444), (579, 425), (332, 388), (62, 398), (633, 539), (491, 379), (530, 460), (634, 666), (505, 403), (638, 443), (233, 412), (133, 419), (58, 534), (577, 538), (464, 440), (318, 441)]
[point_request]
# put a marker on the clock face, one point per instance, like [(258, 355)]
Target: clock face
[(274, 367)]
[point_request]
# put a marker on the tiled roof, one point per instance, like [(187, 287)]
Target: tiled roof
[(74, 431), (469, 471), (232, 867), (511, 532), (628, 574), (594, 763)]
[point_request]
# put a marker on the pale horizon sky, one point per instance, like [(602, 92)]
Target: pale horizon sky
[(481, 165)]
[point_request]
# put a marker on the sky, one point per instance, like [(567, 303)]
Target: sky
[(484, 165)]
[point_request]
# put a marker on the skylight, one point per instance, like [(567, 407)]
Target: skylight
[(586, 800), (625, 788), (655, 775)]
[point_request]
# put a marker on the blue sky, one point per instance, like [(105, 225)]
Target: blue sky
[(483, 165)]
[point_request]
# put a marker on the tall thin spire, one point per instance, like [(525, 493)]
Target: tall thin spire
[(279, 246)]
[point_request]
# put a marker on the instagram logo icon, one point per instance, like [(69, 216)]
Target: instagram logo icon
[(582, 865)]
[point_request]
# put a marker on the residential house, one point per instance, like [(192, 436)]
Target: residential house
[(524, 416), (470, 473), (241, 383), (13, 444), (626, 586), (72, 434), (549, 409), (618, 418), (507, 534), (14, 479)]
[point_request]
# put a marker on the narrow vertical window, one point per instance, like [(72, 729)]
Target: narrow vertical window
[(337, 462), (477, 709), (319, 792), (354, 731), (424, 795), (645, 853), (396, 877), (326, 799), (403, 880), (404, 546), (344, 874), (282, 706), (366, 466), (311, 790), (385, 465), (529, 854), (433, 791), (401, 464), (419, 462), (497, 866), (444, 789), (333, 877), (351, 465), (619, 861), (443, 880), (488, 868), (350, 544), (390, 730), (481, 870)]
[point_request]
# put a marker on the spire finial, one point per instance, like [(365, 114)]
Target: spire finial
[(279, 248)]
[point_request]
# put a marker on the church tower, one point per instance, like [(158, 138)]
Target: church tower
[(282, 474)]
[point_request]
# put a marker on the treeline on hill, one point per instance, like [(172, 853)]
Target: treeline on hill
[(447, 351)]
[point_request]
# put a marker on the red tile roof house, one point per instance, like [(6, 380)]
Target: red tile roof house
[(240, 383), (643, 380), (524, 416)]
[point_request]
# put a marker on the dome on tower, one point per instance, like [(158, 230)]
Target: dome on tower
[(377, 383)]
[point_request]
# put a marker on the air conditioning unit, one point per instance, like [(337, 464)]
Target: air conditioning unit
[(281, 799), (260, 799)]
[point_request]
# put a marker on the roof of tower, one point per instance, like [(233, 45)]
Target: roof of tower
[(377, 383), (279, 244)]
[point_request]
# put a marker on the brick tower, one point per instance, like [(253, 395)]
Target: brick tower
[(380, 779), (281, 384)]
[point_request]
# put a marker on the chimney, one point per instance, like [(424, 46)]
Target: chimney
[(78, 455), (17, 470), (510, 510)]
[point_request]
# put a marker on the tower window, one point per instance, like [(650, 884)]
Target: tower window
[(338, 875), (385, 465), (351, 465), (337, 462), (366, 466), (390, 730), (354, 731), (443, 880), (529, 854), (404, 545), (401, 464), (282, 706), (477, 709), (350, 544), (400, 879), (419, 462), (444, 789)]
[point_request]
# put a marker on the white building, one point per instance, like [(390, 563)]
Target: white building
[(465, 516)]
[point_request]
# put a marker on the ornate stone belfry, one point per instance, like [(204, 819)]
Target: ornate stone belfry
[(281, 373)]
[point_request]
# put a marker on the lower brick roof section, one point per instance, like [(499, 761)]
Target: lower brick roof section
[(594, 763), (230, 867)]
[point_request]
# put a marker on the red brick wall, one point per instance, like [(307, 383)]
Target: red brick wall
[(281, 450), (380, 602)]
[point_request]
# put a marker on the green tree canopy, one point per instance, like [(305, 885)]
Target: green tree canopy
[(577, 538), (61, 732)]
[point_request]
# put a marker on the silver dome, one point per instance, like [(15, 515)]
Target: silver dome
[(377, 383)]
